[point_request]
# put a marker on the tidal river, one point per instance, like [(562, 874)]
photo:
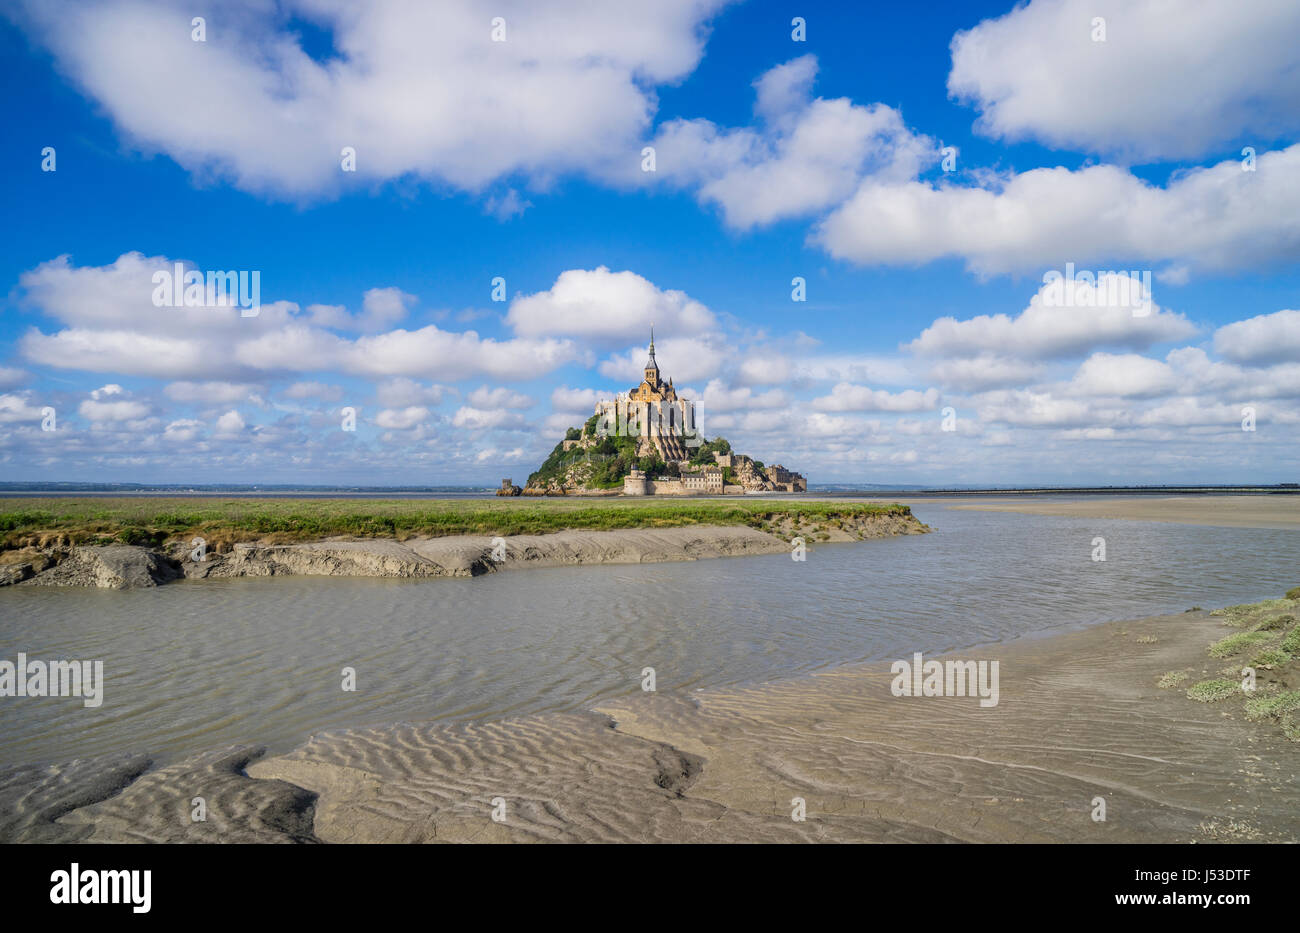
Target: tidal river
[(201, 664)]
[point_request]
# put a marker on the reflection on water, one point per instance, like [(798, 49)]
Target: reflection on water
[(199, 664)]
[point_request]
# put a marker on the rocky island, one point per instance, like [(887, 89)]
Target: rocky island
[(646, 442)]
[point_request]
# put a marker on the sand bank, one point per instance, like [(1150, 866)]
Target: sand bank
[(1080, 717), (121, 566), (1281, 512)]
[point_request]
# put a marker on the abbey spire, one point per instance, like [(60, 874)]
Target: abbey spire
[(651, 367)]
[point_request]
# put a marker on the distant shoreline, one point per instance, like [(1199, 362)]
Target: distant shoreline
[(816, 491)]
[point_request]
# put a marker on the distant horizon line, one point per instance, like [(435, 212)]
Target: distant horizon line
[(71, 486)]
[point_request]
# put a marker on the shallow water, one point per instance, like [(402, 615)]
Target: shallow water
[(200, 664)]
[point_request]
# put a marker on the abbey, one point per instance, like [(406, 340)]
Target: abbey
[(647, 442), (654, 411)]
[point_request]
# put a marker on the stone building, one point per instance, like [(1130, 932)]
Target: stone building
[(636, 484), (707, 480), (786, 480), (653, 411)]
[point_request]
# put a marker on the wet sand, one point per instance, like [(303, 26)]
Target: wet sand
[(1079, 717), (1278, 511)]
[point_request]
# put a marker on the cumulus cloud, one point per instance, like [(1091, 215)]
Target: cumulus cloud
[(565, 399), (807, 156), (718, 397), (984, 371), (1167, 82), (401, 419), (1128, 375), (473, 419), (1217, 218), (112, 403), (182, 431), (384, 307), (112, 325), (1267, 338), (414, 89), (16, 407), (849, 397), (499, 397), (1026, 407), (231, 423), (402, 392), (607, 306), (1048, 330)]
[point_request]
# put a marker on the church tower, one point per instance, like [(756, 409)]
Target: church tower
[(651, 367)]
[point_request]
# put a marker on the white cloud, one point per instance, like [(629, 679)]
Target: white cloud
[(114, 327), (111, 403), (984, 371), (1035, 409), (212, 393), (566, 399), (401, 419), (182, 431), (416, 89), (809, 155), (402, 392), (231, 423), (476, 418), (1045, 331), (499, 397), (384, 307), (607, 306), (1266, 338), (717, 397), (1169, 81), (1127, 375), (1217, 218), (849, 397), (18, 407)]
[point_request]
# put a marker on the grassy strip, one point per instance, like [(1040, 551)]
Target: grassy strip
[(154, 521)]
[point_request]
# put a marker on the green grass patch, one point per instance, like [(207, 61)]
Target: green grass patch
[(1270, 657), (1291, 644), (1237, 643), (149, 520), (1274, 623), (1211, 691), (1252, 613), (1171, 679), (1291, 726), (1274, 705)]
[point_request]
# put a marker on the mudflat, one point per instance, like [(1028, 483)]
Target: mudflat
[(1278, 511), (1081, 721)]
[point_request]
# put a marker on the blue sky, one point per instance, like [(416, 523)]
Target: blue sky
[(775, 159)]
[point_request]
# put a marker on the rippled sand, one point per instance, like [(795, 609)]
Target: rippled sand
[(1079, 717)]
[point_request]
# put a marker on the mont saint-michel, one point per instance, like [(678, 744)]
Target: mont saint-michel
[(647, 442)]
